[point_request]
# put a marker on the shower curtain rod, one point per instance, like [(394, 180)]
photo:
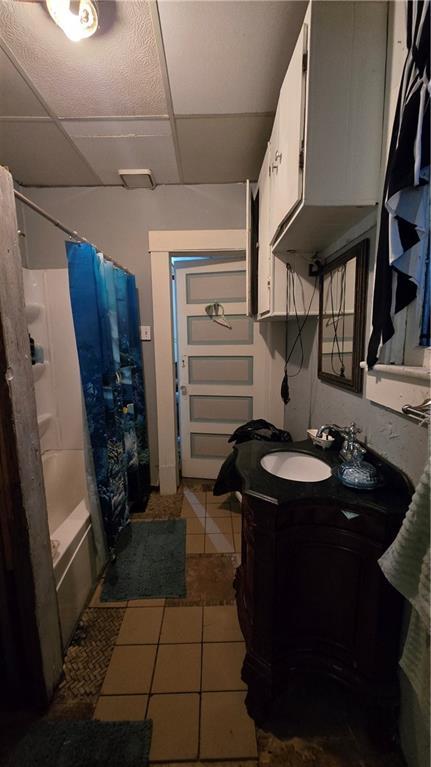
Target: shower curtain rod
[(70, 232)]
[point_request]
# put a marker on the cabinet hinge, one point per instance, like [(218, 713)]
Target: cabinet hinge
[(301, 156), (304, 62)]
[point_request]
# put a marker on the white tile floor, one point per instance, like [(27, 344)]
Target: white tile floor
[(213, 524), (181, 666), (188, 682)]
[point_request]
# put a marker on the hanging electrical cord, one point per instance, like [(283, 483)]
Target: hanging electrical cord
[(334, 322), (343, 331), (336, 315), (284, 391)]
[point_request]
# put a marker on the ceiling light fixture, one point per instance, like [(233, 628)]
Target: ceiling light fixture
[(76, 26)]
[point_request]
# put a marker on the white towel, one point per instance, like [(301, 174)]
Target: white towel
[(406, 565)]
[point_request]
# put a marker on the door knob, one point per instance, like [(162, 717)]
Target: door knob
[(183, 390)]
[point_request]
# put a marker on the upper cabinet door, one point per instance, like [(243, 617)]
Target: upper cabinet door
[(248, 248), (287, 138), (264, 249)]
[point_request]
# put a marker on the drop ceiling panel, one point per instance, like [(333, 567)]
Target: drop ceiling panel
[(116, 128), (107, 155), (228, 57), (222, 149), (38, 154), (116, 72), (16, 98)]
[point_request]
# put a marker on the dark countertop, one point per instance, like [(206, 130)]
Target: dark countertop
[(391, 497)]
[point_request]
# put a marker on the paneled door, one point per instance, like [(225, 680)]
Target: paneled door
[(220, 369)]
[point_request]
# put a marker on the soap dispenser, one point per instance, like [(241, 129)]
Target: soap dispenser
[(354, 471)]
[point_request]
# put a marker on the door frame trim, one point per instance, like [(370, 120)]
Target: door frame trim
[(162, 244)]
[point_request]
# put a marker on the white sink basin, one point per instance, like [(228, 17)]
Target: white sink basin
[(296, 466)]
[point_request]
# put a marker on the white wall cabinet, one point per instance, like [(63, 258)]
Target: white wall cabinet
[(336, 108), (320, 174), (275, 296), (287, 139)]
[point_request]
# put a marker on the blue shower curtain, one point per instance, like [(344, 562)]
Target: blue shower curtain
[(106, 319)]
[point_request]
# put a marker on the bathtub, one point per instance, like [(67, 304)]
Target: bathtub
[(73, 551)]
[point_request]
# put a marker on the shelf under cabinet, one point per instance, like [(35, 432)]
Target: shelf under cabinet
[(312, 229)]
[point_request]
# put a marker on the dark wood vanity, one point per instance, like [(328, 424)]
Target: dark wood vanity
[(310, 594)]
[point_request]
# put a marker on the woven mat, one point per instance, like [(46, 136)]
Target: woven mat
[(150, 562), (51, 743)]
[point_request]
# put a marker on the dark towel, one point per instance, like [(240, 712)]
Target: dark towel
[(228, 479), (261, 430)]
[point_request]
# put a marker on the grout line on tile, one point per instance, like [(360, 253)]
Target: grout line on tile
[(228, 689), (169, 644), (224, 641), (152, 644), (200, 691), (226, 760), (150, 690), (232, 530), (123, 695)]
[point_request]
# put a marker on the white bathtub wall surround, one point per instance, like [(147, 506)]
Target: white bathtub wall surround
[(78, 547), (63, 473), (74, 557), (36, 299), (57, 382), (65, 365)]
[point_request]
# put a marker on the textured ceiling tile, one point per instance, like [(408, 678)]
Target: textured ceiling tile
[(38, 154), (116, 128), (16, 98), (222, 149), (108, 155), (228, 57), (115, 72)]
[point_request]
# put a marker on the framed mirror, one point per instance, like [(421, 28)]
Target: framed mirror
[(342, 311)]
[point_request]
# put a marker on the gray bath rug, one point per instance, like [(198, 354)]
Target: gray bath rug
[(52, 743), (150, 563)]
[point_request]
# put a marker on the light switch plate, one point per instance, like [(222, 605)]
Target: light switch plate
[(145, 332)]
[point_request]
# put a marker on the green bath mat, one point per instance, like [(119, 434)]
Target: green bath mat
[(150, 563), (54, 743)]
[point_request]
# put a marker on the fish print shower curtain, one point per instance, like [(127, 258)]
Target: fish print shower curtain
[(106, 320)]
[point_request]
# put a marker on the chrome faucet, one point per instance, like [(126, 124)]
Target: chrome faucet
[(351, 448)]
